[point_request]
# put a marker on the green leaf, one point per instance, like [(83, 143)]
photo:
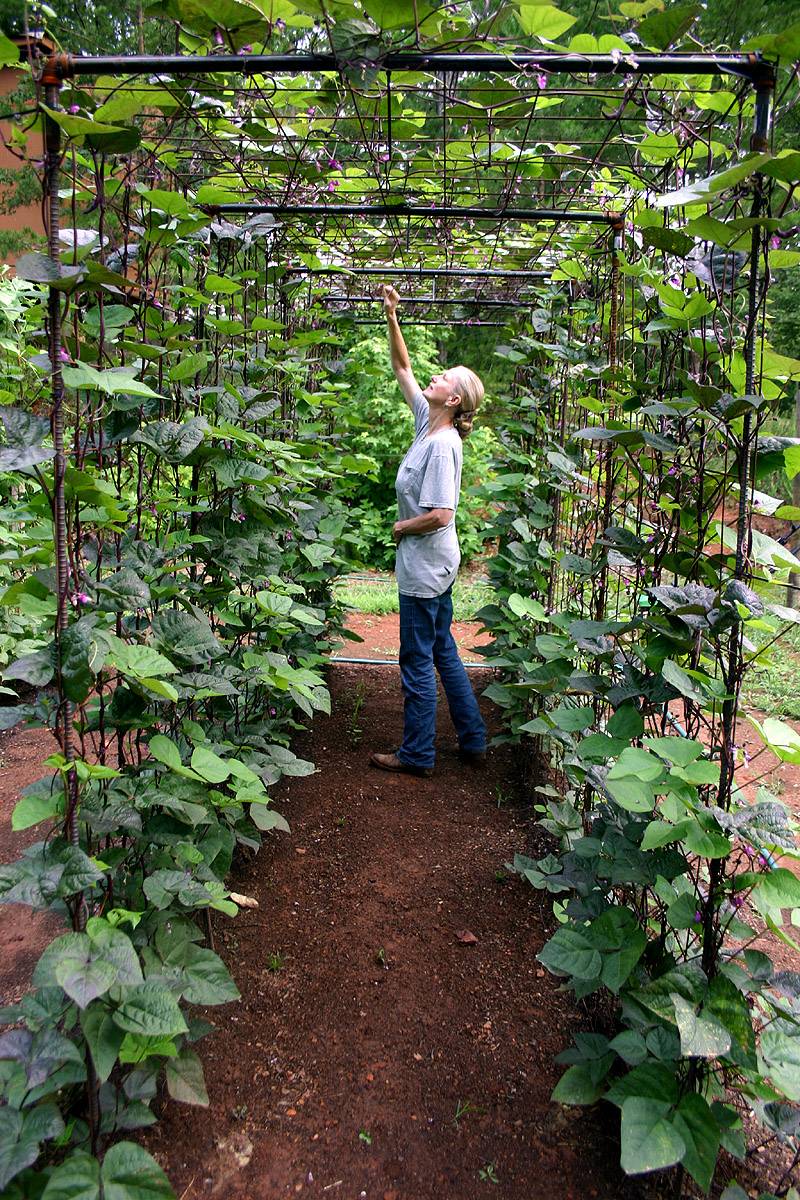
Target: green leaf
[(664, 28), (266, 818), (543, 21), (204, 977), (779, 888), (220, 284), (703, 839), (209, 765), (20, 1136), (683, 683), (677, 750), (630, 1046), (77, 1178), (650, 1142), (695, 1123), (150, 1009), (141, 662), (571, 718), (661, 833), (577, 1086), (76, 672), (9, 52), (702, 1036), (626, 723), (185, 1080), (103, 1037), (36, 807), (524, 606), (189, 366), (37, 268), (570, 952), (130, 1173), (77, 967), (165, 751), (638, 763)]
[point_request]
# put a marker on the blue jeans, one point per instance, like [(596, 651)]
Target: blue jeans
[(425, 642)]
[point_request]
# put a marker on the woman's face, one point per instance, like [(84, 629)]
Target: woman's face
[(441, 388)]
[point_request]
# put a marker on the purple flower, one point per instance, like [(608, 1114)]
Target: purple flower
[(737, 901), (246, 50), (154, 510), (280, 24), (385, 156), (74, 108), (273, 712), (774, 241), (63, 355), (541, 81), (80, 598), (698, 916), (334, 164), (762, 858), (332, 185), (219, 40), (310, 112), (288, 537)]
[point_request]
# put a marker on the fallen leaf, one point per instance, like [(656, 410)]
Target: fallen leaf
[(466, 937)]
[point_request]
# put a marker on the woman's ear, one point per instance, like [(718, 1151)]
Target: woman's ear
[(454, 400)]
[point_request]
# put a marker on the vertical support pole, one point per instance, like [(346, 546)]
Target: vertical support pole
[(52, 169), (765, 90), (52, 159), (606, 472)]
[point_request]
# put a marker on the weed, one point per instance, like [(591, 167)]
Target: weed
[(354, 731), (380, 959), (365, 1137), (239, 1112), (275, 961), (463, 1108), (488, 1174)]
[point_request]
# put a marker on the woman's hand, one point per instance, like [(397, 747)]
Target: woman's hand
[(397, 531), (391, 299)]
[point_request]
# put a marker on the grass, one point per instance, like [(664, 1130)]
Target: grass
[(379, 597), (773, 686)]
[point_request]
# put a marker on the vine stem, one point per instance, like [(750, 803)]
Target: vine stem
[(64, 730)]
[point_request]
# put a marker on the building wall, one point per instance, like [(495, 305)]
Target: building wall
[(30, 215)]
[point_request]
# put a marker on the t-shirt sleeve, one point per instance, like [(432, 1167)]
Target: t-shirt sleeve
[(438, 488), (421, 411)]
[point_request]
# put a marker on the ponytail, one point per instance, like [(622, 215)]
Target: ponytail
[(471, 391)]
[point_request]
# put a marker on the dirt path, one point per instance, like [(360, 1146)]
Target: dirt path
[(378, 1051)]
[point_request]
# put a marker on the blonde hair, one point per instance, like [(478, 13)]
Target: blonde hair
[(471, 390)]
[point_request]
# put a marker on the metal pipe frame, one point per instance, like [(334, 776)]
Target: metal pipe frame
[(317, 211), (421, 272), (424, 321), (748, 66), (450, 300)]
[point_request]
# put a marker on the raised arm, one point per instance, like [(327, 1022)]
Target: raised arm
[(401, 364)]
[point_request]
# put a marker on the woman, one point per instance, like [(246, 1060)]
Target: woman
[(428, 483)]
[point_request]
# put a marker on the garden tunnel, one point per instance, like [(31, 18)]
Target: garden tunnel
[(241, 207)]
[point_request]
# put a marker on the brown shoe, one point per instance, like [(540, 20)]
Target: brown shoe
[(473, 758), (390, 762)]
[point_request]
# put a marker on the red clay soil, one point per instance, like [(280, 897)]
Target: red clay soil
[(23, 933), (381, 637), (396, 1035)]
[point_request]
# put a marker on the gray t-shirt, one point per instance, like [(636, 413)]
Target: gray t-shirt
[(428, 477)]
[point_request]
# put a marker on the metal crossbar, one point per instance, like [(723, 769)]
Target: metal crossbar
[(747, 65)]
